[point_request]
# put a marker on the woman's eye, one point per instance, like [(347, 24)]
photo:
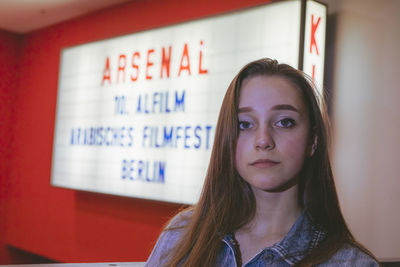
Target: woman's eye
[(286, 123), (243, 125)]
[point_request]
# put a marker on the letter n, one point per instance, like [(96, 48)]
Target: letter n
[(165, 61)]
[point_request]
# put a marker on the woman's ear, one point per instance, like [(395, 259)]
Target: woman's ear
[(314, 142)]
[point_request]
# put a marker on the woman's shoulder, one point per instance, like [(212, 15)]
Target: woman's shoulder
[(169, 238), (175, 228), (180, 220), (350, 255)]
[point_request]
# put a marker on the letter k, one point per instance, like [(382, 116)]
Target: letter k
[(314, 27)]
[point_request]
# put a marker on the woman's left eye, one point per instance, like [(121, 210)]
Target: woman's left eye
[(286, 123)]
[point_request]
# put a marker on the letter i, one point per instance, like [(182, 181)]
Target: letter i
[(313, 72)]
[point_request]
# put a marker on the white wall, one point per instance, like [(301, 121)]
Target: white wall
[(363, 72)]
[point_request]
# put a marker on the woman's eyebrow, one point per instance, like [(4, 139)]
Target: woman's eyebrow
[(276, 107), (285, 107), (245, 109)]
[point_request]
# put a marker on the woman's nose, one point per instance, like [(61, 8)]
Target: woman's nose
[(264, 139)]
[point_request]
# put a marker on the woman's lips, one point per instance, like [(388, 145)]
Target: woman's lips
[(263, 163)]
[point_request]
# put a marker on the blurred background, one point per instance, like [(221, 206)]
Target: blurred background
[(40, 223)]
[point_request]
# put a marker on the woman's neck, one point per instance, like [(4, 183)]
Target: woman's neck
[(276, 212), (275, 215)]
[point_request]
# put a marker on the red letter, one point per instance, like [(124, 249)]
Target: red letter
[(201, 70), (314, 27), (121, 67), (313, 72), (165, 61), (149, 64), (135, 66), (185, 54), (106, 72)]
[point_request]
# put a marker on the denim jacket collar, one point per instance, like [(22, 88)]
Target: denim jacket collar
[(301, 238)]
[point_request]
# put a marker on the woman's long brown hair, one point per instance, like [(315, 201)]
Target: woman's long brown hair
[(227, 201)]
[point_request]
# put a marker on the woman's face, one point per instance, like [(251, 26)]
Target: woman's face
[(274, 133)]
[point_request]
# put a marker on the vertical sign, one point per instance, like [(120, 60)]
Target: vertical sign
[(314, 42)]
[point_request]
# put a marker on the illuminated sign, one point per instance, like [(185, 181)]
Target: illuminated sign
[(314, 42), (136, 114)]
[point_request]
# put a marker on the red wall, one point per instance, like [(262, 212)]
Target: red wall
[(9, 47), (62, 224)]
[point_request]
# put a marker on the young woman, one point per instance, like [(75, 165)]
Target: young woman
[(269, 197)]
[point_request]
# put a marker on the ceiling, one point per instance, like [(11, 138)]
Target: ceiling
[(23, 16)]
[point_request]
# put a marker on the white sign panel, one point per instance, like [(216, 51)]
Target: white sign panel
[(314, 42), (136, 114)]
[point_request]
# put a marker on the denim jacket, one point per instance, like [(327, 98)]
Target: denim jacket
[(302, 238)]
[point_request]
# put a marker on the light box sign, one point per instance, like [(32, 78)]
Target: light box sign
[(136, 114), (314, 42)]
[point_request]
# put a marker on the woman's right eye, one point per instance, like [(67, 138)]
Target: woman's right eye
[(243, 125)]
